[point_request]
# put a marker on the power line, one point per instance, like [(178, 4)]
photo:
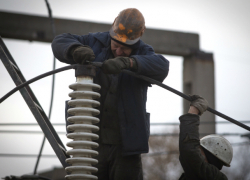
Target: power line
[(27, 155), (155, 134), (201, 134), (177, 152), (201, 122), (29, 124), (240, 143), (148, 154), (152, 124), (26, 132), (53, 84)]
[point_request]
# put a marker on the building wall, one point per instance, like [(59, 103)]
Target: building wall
[(198, 78)]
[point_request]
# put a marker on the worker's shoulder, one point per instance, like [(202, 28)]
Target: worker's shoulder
[(145, 47), (103, 37), (99, 34), (221, 176)]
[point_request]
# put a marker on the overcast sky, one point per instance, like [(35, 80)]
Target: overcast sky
[(223, 27)]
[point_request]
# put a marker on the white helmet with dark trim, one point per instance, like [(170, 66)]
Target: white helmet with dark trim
[(219, 147)]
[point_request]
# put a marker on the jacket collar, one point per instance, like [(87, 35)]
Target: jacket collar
[(103, 37)]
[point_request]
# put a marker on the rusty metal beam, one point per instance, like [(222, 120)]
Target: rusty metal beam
[(38, 28)]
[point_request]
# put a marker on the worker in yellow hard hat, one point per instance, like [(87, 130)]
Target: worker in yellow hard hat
[(124, 122)]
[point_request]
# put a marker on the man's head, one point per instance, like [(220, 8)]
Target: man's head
[(218, 151), (120, 50), (127, 29)]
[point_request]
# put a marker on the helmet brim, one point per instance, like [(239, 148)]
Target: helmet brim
[(122, 37)]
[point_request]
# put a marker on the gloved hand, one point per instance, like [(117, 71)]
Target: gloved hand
[(116, 65), (81, 54), (199, 102)]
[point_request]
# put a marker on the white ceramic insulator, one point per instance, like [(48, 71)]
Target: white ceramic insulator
[(83, 110)]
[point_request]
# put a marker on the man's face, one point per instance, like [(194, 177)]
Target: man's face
[(120, 50)]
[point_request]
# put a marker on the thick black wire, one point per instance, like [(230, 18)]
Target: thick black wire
[(152, 135), (26, 177), (152, 81), (148, 154), (185, 97), (177, 152), (37, 78), (52, 87), (151, 124)]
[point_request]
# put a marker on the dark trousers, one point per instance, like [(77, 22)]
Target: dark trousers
[(113, 166)]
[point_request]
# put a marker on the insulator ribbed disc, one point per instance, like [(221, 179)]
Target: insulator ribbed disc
[(82, 152), (70, 169), (75, 86), (83, 102), (82, 135), (80, 176), (84, 94), (82, 119), (82, 143), (81, 160), (74, 127), (74, 111)]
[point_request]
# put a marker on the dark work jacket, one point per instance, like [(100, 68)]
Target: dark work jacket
[(133, 119), (193, 162)]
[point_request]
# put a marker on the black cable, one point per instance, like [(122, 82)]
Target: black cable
[(34, 177), (148, 154), (30, 132), (26, 177), (37, 78), (152, 81), (177, 152), (26, 155), (201, 122), (53, 84), (151, 135), (201, 134), (151, 124), (28, 124)]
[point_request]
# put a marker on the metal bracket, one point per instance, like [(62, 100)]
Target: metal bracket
[(33, 104)]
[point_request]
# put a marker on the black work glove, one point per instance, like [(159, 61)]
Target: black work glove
[(116, 65), (81, 54), (199, 102)]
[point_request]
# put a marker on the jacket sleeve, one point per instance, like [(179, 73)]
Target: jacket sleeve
[(150, 64), (192, 161), (62, 44)]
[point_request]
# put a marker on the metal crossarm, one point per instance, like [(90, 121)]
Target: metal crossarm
[(33, 104)]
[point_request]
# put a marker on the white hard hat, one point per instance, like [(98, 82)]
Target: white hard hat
[(219, 147)]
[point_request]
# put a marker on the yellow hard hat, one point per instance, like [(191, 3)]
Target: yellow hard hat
[(128, 26)]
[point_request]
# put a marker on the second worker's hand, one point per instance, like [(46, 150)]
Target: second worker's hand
[(116, 65), (199, 103)]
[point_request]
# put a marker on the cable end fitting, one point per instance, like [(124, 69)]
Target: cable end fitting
[(85, 70)]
